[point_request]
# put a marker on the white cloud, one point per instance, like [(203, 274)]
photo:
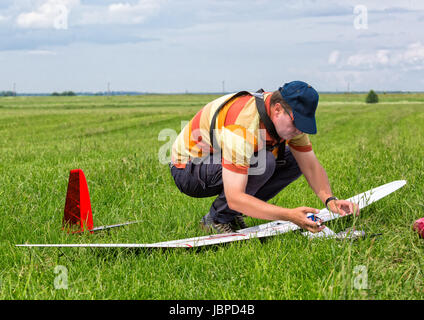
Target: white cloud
[(137, 13), (120, 7), (414, 53), (361, 59), (41, 52), (121, 13), (411, 57), (381, 57), (334, 56), (51, 14)]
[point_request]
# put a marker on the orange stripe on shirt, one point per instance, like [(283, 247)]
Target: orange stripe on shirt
[(236, 168), (222, 115), (235, 109), (196, 120), (188, 140), (195, 133), (301, 148)]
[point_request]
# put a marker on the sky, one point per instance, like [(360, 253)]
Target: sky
[(173, 46)]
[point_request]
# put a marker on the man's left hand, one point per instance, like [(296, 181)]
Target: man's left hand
[(343, 207)]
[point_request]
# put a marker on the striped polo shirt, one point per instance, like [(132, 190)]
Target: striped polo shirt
[(237, 131)]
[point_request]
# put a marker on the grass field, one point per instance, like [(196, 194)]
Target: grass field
[(115, 141)]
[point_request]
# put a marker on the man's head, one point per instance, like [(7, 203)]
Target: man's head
[(293, 109)]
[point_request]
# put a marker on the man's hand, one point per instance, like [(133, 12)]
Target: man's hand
[(298, 216), (343, 207)]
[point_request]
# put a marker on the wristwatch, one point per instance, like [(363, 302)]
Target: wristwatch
[(328, 200)]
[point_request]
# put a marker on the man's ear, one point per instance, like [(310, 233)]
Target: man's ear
[(278, 108)]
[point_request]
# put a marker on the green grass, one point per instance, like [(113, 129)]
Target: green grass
[(115, 141)]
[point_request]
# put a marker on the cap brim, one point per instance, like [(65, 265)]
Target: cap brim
[(305, 124)]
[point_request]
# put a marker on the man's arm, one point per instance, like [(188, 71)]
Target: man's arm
[(318, 181), (314, 173), (240, 201)]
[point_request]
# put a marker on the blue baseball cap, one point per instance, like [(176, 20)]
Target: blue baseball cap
[(303, 99)]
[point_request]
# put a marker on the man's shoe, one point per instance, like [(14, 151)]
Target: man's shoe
[(208, 224), (239, 222)]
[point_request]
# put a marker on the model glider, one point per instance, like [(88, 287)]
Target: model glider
[(260, 231)]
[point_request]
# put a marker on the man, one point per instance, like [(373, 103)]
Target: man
[(213, 156)]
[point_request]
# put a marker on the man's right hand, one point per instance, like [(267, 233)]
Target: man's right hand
[(298, 216)]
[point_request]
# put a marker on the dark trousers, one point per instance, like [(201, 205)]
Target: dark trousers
[(205, 180)]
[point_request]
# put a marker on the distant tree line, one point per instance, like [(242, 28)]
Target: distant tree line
[(64, 93), (7, 94)]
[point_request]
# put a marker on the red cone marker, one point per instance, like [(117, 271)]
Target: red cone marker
[(78, 207), (419, 227)]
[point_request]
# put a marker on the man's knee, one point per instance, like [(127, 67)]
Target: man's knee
[(196, 183)]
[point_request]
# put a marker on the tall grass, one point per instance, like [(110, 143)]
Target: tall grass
[(115, 141)]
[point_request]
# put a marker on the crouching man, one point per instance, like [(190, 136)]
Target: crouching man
[(245, 148)]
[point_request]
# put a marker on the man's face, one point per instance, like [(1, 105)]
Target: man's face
[(284, 122)]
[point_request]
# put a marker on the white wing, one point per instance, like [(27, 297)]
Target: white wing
[(260, 231)]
